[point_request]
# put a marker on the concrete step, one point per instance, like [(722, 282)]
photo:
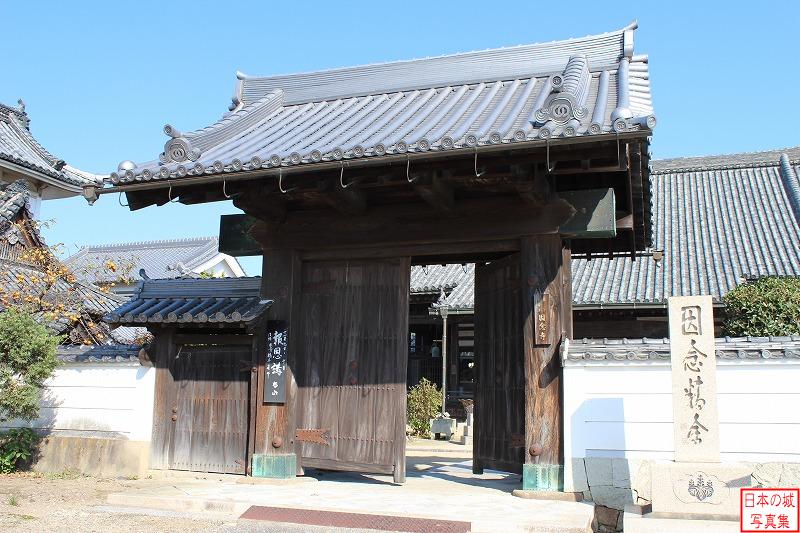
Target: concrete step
[(178, 504)]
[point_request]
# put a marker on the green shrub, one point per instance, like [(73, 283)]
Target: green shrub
[(767, 307), (17, 447), (27, 359), (424, 403)]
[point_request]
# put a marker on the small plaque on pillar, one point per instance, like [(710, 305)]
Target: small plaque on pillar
[(542, 334), (275, 363), (694, 380)]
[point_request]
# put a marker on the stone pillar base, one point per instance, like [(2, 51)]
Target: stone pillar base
[(282, 466), (541, 477)]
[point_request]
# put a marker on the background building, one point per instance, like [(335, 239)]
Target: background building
[(190, 257)]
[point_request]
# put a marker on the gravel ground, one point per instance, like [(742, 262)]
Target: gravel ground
[(64, 502)]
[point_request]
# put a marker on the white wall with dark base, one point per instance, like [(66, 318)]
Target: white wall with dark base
[(96, 418)]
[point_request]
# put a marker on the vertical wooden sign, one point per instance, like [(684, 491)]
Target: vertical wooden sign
[(694, 379), (275, 364)]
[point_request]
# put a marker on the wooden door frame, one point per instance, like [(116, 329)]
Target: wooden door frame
[(165, 394)]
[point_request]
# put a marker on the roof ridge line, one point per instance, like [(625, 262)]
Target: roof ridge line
[(721, 166), (725, 161), (138, 243), (241, 76)]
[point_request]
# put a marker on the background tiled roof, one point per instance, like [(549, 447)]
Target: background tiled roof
[(717, 224), (18, 146), (159, 259)]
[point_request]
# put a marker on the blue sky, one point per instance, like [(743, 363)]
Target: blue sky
[(100, 79)]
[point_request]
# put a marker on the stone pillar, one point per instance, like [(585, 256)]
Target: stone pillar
[(696, 484), (694, 379)]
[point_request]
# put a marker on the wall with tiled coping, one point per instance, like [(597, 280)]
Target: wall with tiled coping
[(618, 414)]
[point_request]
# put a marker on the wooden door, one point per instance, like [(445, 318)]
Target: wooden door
[(211, 407), (351, 365), (499, 359)]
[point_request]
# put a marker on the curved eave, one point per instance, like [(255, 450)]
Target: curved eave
[(229, 174), (41, 175)]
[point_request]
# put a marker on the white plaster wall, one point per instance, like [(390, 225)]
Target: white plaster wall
[(624, 409), (103, 400)]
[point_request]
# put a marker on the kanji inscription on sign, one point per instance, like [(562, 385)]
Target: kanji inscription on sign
[(275, 363), (694, 387)]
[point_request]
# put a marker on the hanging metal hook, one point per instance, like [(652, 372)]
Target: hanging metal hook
[(549, 170), (408, 170), (482, 172), (619, 159), (280, 183), (225, 189), (341, 178), (119, 199), (169, 194)]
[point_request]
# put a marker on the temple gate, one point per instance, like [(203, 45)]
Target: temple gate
[(348, 177)]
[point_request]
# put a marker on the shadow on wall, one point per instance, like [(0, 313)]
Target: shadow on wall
[(599, 467)]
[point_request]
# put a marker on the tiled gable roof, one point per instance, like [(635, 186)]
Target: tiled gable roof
[(19, 147), (159, 259), (588, 86), (196, 301)]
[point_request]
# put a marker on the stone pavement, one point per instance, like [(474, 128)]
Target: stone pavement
[(440, 484)]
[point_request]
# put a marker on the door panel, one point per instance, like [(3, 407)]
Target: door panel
[(499, 359), (351, 364), (211, 409)]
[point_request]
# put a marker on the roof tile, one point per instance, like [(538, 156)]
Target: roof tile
[(461, 101)]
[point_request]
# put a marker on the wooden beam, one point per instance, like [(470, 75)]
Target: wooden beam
[(625, 222), (411, 224), (420, 253), (349, 200), (433, 188), (261, 204), (531, 184), (419, 231)]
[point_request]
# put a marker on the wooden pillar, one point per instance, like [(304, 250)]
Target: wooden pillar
[(274, 450), (164, 400), (547, 315)]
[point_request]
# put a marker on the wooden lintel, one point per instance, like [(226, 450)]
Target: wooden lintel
[(420, 253), (261, 205), (531, 184), (434, 189), (413, 224), (347, 199), (625, 222)]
